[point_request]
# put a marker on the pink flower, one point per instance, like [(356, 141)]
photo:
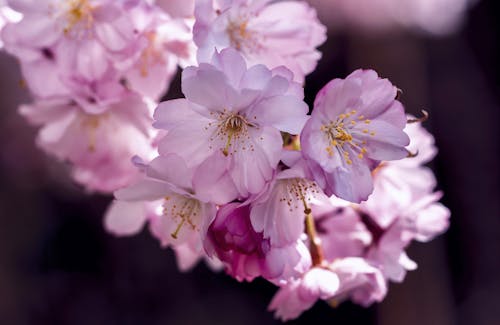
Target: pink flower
[(421, 218), (180, 217), (166, 43), (360, 281), (246, 254), (86, 37), (190, 253), (403, 207), (404, 188), (297, 296), (228, 127), (349, 278), (388, 253), (161, 198), (127, 218), (429, 16), (355, 124), (98, 144), (279, 212), (341, 230), (282, 33), (137, 44)]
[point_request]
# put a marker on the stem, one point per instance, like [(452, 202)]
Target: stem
[(314, 241)]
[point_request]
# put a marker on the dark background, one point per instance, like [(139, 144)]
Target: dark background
[(58, 266)]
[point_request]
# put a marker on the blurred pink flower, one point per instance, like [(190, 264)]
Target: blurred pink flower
[(403, 187), (348, 278), (99, 145), (404, 207), (429, 16), (274, 34), (134, 43), (86, 37), (341, 230), (299, 295), (167, 43)]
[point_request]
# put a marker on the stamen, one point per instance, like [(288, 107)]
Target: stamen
[(241, 37), (299, 190), (340, 135), (79, 15), (185, 214), (179, 226)]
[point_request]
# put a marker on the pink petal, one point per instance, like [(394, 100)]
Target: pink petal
[(171, 169), (286, 113), (212, 182), (209, 88), (144, 190), (170, 113), (125, 218)]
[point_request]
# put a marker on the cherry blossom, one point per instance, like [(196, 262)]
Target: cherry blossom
[(245, 252), (356, 123), (98, 144), (228, 127), (265, 32), (182, 218), (350, 278)]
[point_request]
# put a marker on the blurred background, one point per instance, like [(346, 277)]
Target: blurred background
[(58, 266)]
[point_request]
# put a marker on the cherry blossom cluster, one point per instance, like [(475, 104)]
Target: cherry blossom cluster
[(322, 201), (96, 69)]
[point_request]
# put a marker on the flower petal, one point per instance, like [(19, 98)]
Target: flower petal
[(125, 218)]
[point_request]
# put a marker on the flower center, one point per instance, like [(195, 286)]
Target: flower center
[(150, 55), (183, 211), (90, 124), (79, 19), (343, 135), (240, 37), (232, 129), (235, 123)]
